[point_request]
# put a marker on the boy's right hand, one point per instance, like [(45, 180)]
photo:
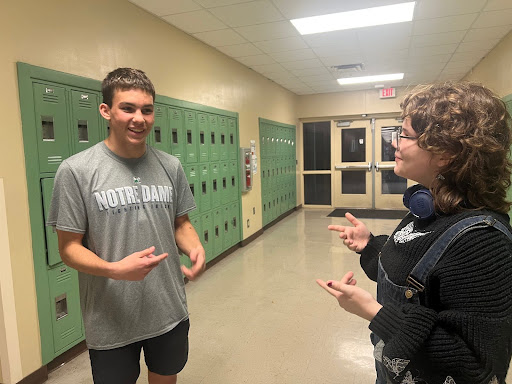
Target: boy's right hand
[(356, 237), (136, 266)]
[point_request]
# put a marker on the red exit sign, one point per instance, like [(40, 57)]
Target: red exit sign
[(386, 93)]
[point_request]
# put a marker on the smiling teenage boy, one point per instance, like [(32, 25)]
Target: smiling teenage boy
[(121, 212)]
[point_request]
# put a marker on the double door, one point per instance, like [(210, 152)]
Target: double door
[(364, 159)]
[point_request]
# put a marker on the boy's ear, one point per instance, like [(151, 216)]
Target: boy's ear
[(105, 111)]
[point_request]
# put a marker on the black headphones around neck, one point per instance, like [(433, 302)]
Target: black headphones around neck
[(420, 202)]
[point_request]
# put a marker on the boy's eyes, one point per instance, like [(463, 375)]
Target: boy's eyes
[(145, 111)]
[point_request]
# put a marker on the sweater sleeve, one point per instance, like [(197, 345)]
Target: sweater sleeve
[(370, 255), (468, 336)]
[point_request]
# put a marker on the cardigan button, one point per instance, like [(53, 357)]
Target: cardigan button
[(408, 294)]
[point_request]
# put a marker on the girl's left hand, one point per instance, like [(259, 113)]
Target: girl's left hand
[(351, 298)]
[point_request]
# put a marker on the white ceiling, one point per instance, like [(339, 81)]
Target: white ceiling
[(444, 41)]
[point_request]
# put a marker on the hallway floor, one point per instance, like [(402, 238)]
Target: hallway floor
[(258, 316)]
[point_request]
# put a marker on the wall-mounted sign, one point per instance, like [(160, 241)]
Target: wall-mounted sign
[(385, 93)]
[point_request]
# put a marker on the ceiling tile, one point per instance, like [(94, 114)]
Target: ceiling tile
[(163, 7), (493, 5), (493, 18), (220, 38), (443, 24), (240, 50), (440, 8), (251, 13), (345, 39), (454, 37), (218, 3), (195, 22), (310, 72), (342, 60), (256, 60), (269, 68), (268, 31), (473, 56), (488, 33), (432, 50), (421, 60), (477, 45), (300, 54), (277, 45), (302, 64)]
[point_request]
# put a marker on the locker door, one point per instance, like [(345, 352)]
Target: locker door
[(216, 183), (223, 129), (176, 131), (214, 138), (234, 191), (65, 300), (192, 173), (207, 235), (218, 231), (225, 183), (204, 137), (235, 223), (232, 139), (86, 127), (52, 243), (191, 141), (160, 135), (227, 241), (206, 188), (52, 126)]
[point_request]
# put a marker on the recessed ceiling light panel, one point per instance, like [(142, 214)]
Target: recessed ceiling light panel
[(388, 14), (370, 79)]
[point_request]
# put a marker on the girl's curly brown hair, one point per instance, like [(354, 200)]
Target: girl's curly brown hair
[(471, 125)]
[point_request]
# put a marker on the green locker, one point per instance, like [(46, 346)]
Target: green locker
[(86, 127), (225, 181), (216, 183), (160, 135), (232, 140), (228, 238), (185, 260), (51, 126), (192, 172), (234, 211), (66, 315), (234, 191), (223, 145), (207, 235), (191, 134), (52, 242), (176, 130), (214, 138), (203, 126), (218, 231), (206, 187)]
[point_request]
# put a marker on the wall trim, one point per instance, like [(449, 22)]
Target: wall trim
[(37, 377)]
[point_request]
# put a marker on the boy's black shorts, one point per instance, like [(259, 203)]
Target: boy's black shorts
[(165, 355)]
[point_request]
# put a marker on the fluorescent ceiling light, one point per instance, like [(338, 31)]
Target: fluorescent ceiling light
[(388, 14), (370, 79)]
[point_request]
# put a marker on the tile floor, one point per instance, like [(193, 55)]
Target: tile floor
[(258, 315)]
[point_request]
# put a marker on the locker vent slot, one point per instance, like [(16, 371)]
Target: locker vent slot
[(201, 138), (192, 189), (216, 231), (189, 136), (204, 187), (226, 226), (54, 159), (85, 104), (158, 112), (265, 207), (47, 126), (158, 136), (222, 139), (234, 222), (68, 332), (231, 139), (83, 132), (61, 307), (224, 184), (214, 185), (232, 181), (50, 98), (174, 136), (213, 138), (206, 237)]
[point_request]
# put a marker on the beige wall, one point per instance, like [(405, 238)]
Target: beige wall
[(495, 69), (90, 38)]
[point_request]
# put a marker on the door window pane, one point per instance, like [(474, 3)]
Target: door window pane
[(317, 189), (353, 145), (387, 136), (353, 182), (317, 146), (393, 184)]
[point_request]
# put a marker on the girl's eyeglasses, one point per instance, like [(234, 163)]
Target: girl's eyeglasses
[(397, 137)]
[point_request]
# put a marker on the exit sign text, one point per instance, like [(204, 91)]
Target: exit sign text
[(386, 93)]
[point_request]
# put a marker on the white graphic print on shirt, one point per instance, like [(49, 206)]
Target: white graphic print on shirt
[(407, 234)]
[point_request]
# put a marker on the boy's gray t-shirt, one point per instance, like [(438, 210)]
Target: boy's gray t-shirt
[(123, 206)]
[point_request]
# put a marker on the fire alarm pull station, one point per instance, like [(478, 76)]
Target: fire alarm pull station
[(246, 169)]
